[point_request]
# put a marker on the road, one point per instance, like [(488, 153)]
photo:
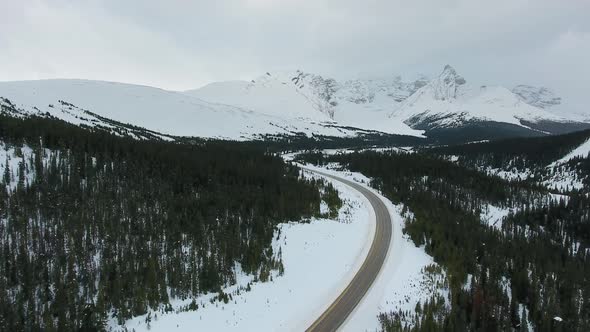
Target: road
[(343, 306)]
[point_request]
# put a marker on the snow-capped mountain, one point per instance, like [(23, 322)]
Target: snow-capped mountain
[(449, 101), (540, 97), (354, 103), (111, 105), (286, 96), (395, 106), (299, 103)]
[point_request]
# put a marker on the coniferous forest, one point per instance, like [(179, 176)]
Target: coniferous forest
[(532, 268), (96, 226)]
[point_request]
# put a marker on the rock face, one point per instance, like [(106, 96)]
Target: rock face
[(537, 96), (446, 85)]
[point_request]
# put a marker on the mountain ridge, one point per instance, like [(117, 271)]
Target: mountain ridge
[(297, 102)]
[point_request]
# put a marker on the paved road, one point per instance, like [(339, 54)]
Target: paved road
[(341, 308)]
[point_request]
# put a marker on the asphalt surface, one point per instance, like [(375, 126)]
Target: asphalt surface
[(343, 306)]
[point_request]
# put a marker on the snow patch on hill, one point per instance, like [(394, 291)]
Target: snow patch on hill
[(493, 215), (582, 151)]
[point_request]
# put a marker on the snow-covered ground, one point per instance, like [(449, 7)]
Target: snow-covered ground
[(12, 157), (386, 104), (493, 215), (320, 259), (402, 282)]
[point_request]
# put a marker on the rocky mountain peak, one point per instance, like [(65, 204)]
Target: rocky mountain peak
[(446, 84)]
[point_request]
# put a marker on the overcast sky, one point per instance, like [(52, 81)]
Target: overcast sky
[(181, 44)]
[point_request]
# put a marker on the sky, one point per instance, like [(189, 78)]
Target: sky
[(182, 44)]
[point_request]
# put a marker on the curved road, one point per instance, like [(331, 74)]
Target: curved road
[(343, 306)]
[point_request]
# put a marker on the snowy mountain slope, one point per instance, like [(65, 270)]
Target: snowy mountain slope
[(356, 103), (395, 106), (582, 151), (300, 103), (275, 94), (93, 103), (367, 103), (449, 101), (540, 97)]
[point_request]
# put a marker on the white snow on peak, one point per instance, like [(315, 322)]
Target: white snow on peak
[(280, 103), (167, 112), (451, 101), (388, 104), (278, 94), (540, 97), (354, 103)]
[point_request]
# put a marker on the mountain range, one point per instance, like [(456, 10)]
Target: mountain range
[(284, 104)]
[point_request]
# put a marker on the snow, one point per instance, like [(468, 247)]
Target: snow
[(402, 281), (493, 215), (360, 104), (273, 95), (563, 179), (582, 151), (387, 104), (166, 112), (541, 97), (279, 103), (454, 101), (9, 157), (558, 177), (514, 174), (320, 259), (401, 284)]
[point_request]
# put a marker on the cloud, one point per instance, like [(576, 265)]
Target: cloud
[(181, 44)]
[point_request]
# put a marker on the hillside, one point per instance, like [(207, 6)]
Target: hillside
[(170, 113), (95, 227), (440, 108), (510, 253), (356, 103)]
